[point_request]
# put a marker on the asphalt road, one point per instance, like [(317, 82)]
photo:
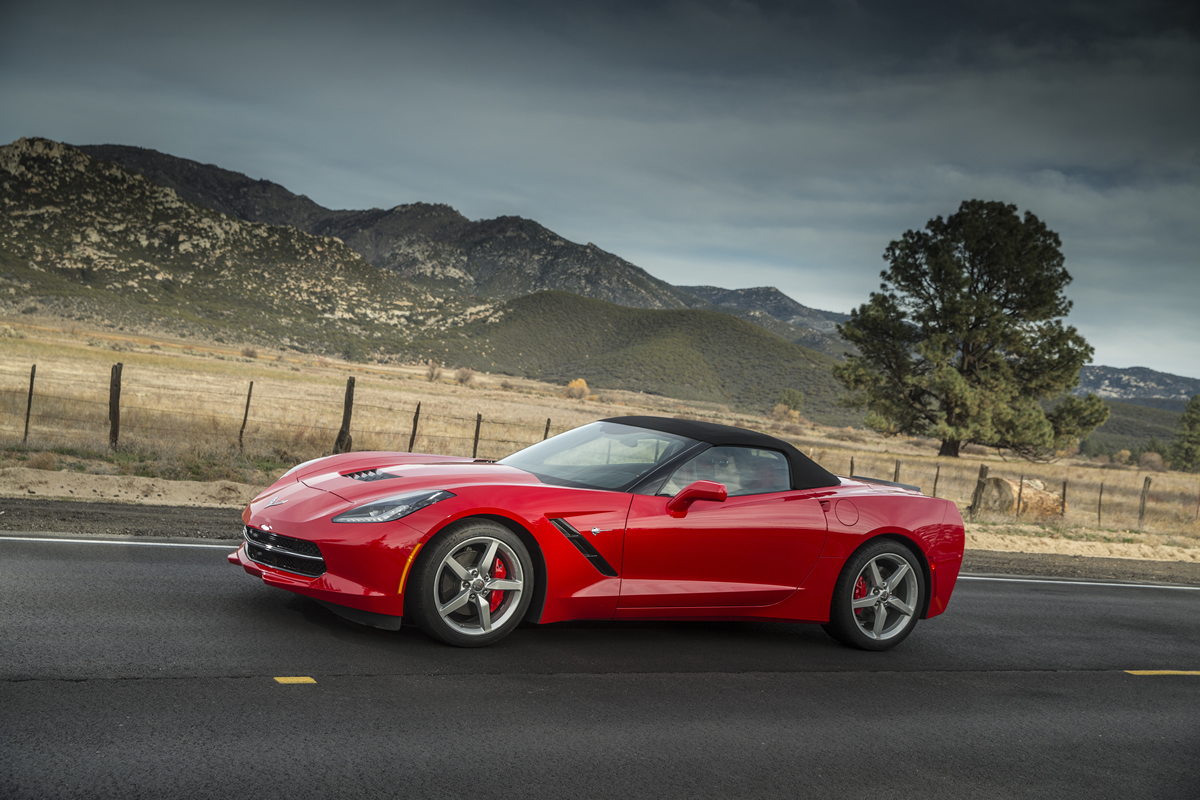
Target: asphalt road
[(144, 671)]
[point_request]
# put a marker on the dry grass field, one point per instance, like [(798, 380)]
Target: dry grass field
[(182, 407)]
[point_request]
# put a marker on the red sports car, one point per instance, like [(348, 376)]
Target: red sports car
[(626, 518)]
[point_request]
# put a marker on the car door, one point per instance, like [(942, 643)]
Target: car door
[(753, 549)]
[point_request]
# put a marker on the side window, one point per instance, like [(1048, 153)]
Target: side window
[(743, 470)]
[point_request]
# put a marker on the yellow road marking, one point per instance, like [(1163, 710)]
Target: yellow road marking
[(297, 679), (1163, 672), (408, 565)]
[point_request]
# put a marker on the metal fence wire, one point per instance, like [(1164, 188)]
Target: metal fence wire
[(285, 423), (52, 410)]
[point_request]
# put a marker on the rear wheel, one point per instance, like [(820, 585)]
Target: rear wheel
[(472, 586), (877, 598)]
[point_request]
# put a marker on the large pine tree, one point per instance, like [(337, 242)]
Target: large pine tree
[(966, 338)]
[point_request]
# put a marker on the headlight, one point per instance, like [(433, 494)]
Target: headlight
[(391, 508)]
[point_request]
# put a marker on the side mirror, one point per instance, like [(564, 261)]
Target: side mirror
[(700, 490)]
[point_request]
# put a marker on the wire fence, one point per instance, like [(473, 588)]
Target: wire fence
[(1055, 494), (288, 422), (272, 420)]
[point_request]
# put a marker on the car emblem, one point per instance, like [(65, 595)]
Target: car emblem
[(275, 501)]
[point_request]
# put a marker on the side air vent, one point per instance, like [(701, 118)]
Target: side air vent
[(584, 546), (369, 475)]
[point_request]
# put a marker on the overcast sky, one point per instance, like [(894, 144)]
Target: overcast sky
[(730, 143)]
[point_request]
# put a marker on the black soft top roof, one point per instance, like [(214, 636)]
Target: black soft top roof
[(806, 473)]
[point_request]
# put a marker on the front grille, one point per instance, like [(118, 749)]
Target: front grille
[(283, 552), (280, 542), (369, 475)]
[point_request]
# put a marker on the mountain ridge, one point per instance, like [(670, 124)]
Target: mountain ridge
[(435, 246), (1138, 386)]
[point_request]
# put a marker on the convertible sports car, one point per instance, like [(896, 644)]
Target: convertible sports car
[(626, 518)]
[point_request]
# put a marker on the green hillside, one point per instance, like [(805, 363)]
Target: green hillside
[(1131, 427), (692, 355)]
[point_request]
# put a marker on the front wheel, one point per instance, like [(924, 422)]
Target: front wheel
[(877, 598), (474, 585)]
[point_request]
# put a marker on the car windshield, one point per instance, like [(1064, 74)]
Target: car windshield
[(603, 455)]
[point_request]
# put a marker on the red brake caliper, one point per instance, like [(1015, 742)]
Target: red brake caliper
[(860, 591), (498, 571)]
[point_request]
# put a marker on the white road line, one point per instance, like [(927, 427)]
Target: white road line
[(227, 548), (1080, 583)]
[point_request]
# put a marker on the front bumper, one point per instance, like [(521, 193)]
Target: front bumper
[(331, 590)]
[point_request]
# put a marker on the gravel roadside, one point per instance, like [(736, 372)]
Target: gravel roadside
[(206, 522)]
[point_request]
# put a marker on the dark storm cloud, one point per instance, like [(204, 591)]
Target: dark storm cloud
[(733, 143)]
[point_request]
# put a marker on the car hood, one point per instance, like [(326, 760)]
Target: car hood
[(347, 483), (358, 485)]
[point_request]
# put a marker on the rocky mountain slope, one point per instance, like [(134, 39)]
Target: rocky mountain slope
[(1138, 386), (436, 247), (88, 239)]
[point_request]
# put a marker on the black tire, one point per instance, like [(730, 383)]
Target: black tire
[(890, 589), (452, 593)]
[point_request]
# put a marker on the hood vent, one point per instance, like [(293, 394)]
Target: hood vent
[(369, 475)]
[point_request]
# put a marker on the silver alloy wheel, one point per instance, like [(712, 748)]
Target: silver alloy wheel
[(884, 597), (466, 582)]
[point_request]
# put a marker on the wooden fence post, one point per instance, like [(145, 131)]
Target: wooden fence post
[(851, 466), (413, 436), (1063, 512), (937, 474), (344, 440), (896, 474), (1100, 504), (114, 406), (1020, 494), (29, 405), (475, 447), (245, 416), (546, 435), (977, 497), (1142, 504)]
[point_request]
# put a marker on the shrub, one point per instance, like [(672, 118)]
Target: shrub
[(433, 371), (785, 413), (42, 460), (464, 375), (1152, 461), (577, 389), (793, 399), (249, 352)]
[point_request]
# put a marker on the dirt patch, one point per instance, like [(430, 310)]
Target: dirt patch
[(66, 485), (1040, 543)]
